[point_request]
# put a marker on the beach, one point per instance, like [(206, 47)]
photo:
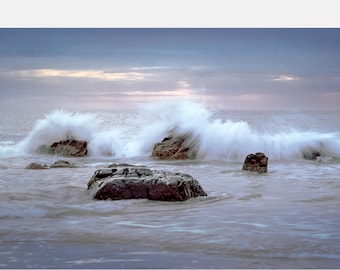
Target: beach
[(287, 217)]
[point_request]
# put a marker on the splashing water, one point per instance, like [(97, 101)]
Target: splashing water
[(214, 138)]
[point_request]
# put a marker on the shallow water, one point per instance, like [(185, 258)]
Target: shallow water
[(286, 218)]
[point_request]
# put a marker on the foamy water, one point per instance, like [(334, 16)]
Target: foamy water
[(288, 217), (214, 138)]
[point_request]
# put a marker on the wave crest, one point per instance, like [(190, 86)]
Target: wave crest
[(212, 138)]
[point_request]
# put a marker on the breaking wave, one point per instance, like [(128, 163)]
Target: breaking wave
[(213, 138)]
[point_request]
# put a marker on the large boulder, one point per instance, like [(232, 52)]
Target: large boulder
[(138, 182), (256, 162), (70, 148), (179, 147)]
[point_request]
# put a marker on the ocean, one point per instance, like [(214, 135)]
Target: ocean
[(288, 217)]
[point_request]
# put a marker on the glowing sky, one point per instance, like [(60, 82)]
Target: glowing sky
[(112, 68)]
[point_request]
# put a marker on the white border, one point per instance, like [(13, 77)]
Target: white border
[(169, 13)]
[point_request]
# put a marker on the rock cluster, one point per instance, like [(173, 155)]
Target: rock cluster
[(178, 147), (256, 162), (57, 164), (70, 148), (138, 182)]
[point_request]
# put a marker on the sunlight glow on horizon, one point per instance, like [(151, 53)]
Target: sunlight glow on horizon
[(86, 74), (165, 93), (286, 77), (239, 68)]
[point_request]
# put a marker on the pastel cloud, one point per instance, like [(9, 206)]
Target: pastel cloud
[(237, 68), (170, 93), (286, 77), (82, 74)]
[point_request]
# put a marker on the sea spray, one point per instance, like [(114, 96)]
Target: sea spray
[(110, 143), (8, 149), (57, 126), (166, 119), (214, 138)]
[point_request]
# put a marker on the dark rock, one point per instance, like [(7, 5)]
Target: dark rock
[(137, 182), (70, 148), (179, 147), (62, 164), (256, 162), (36, 166), (57, 164), (311, 154), (119, 165), (100, 174)]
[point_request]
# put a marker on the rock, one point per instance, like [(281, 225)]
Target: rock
[(256, 162), (179, 147), (62, 164), (138, 182), (311, 154), (57, 164), (36, 166), (70, 148), (119, 165)]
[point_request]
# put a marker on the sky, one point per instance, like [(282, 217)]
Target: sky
[(119, 68)]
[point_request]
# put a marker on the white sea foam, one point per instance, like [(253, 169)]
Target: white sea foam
[(214, 138), (60, 125)]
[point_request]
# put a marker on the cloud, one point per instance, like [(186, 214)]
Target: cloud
[(150, 68), (285, 78), (81, 74), (183, 84), (165, 93)]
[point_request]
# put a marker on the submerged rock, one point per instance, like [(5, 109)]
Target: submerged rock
[(62, 164), (311, 154), (256, 162), (138, 182), (179, 147), (70, 148), (57, 164), (36, 166)]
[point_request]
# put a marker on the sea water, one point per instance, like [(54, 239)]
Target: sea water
[(288, 217)]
